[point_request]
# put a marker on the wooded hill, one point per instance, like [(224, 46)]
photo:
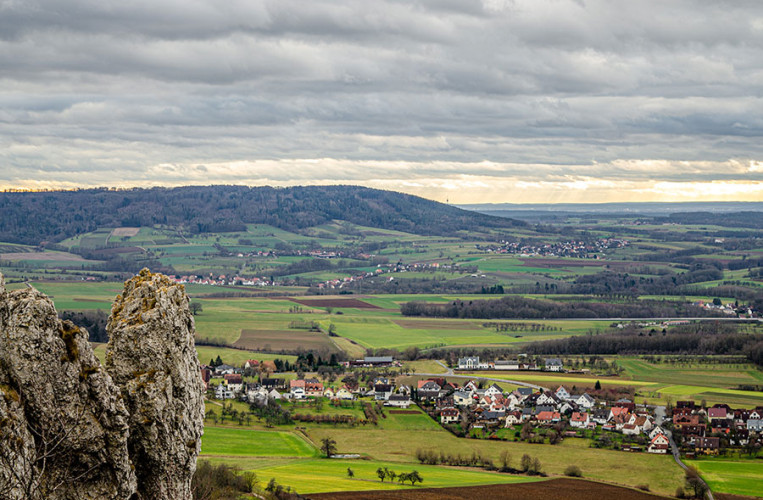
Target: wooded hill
[(34, 217)]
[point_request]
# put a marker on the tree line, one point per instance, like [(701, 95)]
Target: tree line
[(696, 339), (524, 308)]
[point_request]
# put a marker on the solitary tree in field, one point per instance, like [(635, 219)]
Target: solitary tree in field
[(328, 447), (196, 308)]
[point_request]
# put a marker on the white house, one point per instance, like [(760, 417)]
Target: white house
[(462, 398), (655, 430), (469, 363), (554, 364), (506, 365), (344, 393), (562, 393), (398, 401), (585, 401), (493, 391), (658, 444), (547, 398), (579, 419), (223, 392), (449, 415)]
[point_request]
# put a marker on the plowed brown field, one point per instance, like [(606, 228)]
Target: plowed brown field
[(554, 489), (353, 303)]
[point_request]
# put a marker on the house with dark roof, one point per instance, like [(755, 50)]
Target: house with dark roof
[(554, 364)]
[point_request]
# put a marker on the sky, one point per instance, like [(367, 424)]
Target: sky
[(461, 101)]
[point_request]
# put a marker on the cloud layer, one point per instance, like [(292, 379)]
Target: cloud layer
[(526, 100)]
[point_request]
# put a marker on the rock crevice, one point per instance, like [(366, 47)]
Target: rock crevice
[(71, 428)]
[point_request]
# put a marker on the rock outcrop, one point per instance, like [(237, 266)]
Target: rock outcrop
[(67, 423), (72, 429), (151, 357)]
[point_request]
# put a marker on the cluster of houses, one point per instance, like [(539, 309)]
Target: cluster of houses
[(491, 408), (577, 249), (471, 363), (229, 384), (709, 430), (729, 309), (223, 280), (339, 283)]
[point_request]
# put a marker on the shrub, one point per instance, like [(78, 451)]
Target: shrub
[(573, 471), (643, 487)]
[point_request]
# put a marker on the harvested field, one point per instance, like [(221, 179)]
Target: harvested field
[(42, 256), (125, 231), (404, 412), (436, 324), (335, 302), (288, 341), (555, 489)]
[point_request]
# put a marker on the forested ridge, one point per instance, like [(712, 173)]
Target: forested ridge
[(34, 217)]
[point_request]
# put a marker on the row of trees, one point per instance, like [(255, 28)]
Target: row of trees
[(524, 308), (695, 339)]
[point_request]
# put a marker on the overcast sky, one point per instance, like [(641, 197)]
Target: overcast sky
[(458, 100)]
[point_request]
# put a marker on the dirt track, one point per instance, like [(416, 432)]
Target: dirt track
[(554, 489)]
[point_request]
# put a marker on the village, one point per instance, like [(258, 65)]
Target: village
[(577, 249), (480, 409)]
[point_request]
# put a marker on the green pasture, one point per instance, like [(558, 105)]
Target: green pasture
[(322, 475), (721, 375), (79, 295), (661, 473), (735, 477), (237, 357), (231, 441)]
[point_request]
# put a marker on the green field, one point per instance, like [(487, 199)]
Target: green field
[(742, 477), (317, 476), (228, 441), (393, 443)]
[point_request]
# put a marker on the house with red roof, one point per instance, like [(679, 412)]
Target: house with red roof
[(659, 444), (579, 419)]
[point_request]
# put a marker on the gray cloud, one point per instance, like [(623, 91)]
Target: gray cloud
[(534, 91)]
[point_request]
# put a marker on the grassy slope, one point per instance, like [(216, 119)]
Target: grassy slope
[(737, 477)]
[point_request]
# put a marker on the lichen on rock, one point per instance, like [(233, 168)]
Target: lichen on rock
[(70, 429), (152, 358), (71, 432)]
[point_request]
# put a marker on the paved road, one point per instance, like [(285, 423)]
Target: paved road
[(677, 457), (448, 370)]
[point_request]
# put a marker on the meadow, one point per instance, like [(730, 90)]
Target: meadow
[(735, 477), (393, 444)]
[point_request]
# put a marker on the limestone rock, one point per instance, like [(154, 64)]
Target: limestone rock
[(59, 405), (152, 358)]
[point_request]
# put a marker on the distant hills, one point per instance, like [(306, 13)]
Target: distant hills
[(727, 214), (52, 216), (645, 208)]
